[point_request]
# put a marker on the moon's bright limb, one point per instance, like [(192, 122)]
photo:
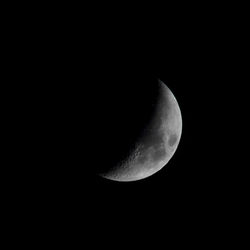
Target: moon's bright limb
[(157, 144)]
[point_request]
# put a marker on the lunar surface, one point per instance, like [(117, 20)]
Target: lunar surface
[(156, 144)]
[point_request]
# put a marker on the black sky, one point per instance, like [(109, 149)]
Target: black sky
[(86, 86), (90, 95), (75, 78)]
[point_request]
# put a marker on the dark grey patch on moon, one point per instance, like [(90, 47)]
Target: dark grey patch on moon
[(159, 153), (172, 140)]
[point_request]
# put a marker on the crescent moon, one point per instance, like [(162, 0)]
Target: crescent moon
[(157, 143)]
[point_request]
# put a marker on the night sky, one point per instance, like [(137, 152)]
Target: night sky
[(90, 103), (80, 79), (98, 107)]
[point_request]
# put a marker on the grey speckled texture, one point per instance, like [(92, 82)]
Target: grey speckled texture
[(157, 144)]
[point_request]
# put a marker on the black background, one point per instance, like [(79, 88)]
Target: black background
[(84, 85), (72, 72)]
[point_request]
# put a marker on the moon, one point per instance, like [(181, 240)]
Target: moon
[(156, 144)]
